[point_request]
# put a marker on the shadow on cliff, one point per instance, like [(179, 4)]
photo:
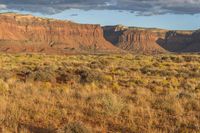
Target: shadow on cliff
[(176, 42)]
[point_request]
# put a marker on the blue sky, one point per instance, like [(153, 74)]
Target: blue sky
[(113, 17), (167, 14)]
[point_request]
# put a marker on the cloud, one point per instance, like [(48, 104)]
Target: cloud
[(141, 7), (3, 7)]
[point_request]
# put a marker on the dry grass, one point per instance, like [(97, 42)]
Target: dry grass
[(99, 93)]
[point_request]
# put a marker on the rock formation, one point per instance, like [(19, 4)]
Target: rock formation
[(176, 41), (195, 43), (135, 39), (26, 33), (152, 40)]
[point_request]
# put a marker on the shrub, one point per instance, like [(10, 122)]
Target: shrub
[(89, 76), (74, 128), (96, 64), (5, 75), (191, 58), (188, 85), (177, 59), (105, 62), (65, 75), (168, 104), (38, 74), (192, 104), (44, 75), (4, 87), (184, 94), (3, 107), (106, 103), (24, 74), (165, 58)]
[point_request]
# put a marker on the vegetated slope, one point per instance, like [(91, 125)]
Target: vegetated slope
[(152, 40), (26, 33)]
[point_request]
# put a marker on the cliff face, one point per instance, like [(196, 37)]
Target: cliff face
[(194, 43), (137, 40), (26, 33), (140, 41), (176, 41), (153, 40)]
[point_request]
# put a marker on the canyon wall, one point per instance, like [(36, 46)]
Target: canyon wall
[(176, 41), (26, 33), (152, 40), (134, 39), (195, 42)]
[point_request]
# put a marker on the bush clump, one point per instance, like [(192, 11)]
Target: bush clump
[(43, 75), (106, 103), (5, 75), (4, 87), (37, 74), (88, 76), (65, 75), (74, 128)]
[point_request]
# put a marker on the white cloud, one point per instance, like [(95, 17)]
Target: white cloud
[(3, 7)]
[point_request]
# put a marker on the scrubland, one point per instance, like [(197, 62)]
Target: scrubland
[(99, 93)]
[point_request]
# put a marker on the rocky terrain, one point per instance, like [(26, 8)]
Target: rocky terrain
[(26, 33)]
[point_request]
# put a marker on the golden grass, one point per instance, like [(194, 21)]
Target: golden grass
[(99, 93)]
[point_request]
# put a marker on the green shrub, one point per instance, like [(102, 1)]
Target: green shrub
[(96, 64), (188, 58), (43, 76), (65, 75), (38, 74), (177, 59), (89, 76)]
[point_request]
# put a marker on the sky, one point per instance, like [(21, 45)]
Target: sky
[(166, 14)]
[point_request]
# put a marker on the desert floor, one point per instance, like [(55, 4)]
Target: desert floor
[(99, 93)]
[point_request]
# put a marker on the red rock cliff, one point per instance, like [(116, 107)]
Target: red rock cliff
[(152, 40), (131, 39), (26, 33)]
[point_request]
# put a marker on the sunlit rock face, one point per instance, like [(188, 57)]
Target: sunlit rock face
[(26, 33)]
